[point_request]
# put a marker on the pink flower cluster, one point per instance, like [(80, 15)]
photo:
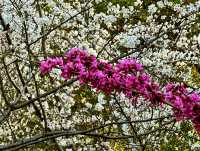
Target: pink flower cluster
[(47, 65), (186, 105), (127, 77)]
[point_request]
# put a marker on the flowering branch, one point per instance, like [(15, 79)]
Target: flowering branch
[(128, 77)]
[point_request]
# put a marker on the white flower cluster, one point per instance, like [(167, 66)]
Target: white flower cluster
[(129, 41), (101, 102)]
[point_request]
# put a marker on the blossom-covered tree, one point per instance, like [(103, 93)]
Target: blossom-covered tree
[(99, 75)]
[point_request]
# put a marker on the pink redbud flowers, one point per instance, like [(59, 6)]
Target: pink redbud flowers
[(127, 77)]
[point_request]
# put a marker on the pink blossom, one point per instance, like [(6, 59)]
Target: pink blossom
[(47, 65)]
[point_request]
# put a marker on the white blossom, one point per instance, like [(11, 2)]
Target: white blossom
[(88, 105), (99, 107), (129, 41), (152, 9)]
